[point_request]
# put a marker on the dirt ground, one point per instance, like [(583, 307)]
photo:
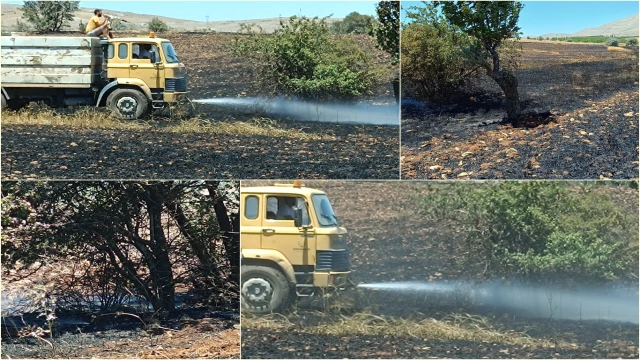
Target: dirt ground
[(194, 334), (391, 242), (580, 105), (304, 149)]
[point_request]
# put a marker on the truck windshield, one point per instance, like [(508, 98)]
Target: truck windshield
[(324, 210), (170, 53)]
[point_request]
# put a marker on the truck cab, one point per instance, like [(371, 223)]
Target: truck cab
[(149, 63), (292, 245)]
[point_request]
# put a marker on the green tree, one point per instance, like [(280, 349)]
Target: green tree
[(157, 25), (49, 16), (148, 236), (387, 31), (490, 23), (354, 23), (434, 63)]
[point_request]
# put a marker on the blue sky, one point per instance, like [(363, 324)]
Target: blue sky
[(542, 17), (233, 10)]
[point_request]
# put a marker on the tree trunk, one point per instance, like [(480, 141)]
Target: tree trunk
[(230, 240), (509, 85), (396, 89), (160, 268)]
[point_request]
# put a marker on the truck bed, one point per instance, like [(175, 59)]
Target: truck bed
[(43, 61)]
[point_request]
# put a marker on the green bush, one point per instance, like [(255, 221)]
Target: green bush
[(632, 42), (540, 230), (612, 42), (157, 25), (434, 64), (354, 23), (304, 60), (569, 40)]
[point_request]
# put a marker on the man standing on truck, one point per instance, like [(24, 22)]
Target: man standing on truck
[(98, 25)]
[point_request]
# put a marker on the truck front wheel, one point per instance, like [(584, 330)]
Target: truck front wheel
[(128, 104), (264, 290)]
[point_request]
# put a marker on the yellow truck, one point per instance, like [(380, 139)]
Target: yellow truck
[(130, 76), (292, 246)]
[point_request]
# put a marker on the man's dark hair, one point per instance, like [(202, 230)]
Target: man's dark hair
[(96, 11)]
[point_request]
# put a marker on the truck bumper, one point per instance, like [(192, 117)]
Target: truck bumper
[(173, 97), (337, 280)]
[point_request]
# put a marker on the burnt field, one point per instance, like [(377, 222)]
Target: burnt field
[(194, 333), (580, 121), (391, 243), (220, 142)]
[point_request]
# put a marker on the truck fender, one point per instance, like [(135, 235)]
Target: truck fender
[(125, 81), (4, 92), (273, 256)]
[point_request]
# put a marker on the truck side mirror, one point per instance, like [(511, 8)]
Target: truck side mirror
[(297, 218)]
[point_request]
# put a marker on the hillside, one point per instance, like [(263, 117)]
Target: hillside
[(623, 27), (12, 13)]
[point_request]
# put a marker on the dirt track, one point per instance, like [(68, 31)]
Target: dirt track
[(345, 151), (582, 102)]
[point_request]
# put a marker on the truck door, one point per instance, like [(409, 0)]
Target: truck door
[(279, 233), (140, 66)]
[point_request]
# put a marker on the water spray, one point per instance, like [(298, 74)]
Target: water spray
[(611, 304), (358, 113)]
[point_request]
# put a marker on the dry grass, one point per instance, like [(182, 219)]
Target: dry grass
[(619, 49), (463, 327), (95, 119)]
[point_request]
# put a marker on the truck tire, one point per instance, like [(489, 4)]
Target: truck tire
[(264, 289), (128, 104)]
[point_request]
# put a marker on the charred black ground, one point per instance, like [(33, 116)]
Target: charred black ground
[(580, 105)]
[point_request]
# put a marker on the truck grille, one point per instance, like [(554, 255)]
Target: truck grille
[(173, 85), (332, 260)]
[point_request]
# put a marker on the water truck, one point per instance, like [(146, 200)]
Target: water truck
[(130, 76), (292, 246)]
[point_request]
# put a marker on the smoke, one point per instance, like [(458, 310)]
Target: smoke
[(612, 304), (359, 113)]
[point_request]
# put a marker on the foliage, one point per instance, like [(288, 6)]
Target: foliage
[(631, 42), (82, 26), (49, 16), (539, 230), (302, 59), (612, 42), (354, 23), (24, 27), (387, 30), (490, 24), (157, 25), (138, 238), (434, 64)]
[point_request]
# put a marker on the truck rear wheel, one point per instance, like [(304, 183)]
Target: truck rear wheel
[(264, 289), (128, 104)]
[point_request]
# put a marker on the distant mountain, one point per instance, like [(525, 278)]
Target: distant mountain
[(11, 14), (624, 27)]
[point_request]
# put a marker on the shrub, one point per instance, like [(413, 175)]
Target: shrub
[(540, 230), (569, 40), (434, 64), (612, 42), (157, 25), (354, 23), (82, 26), (302, 59), (632, 42)]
